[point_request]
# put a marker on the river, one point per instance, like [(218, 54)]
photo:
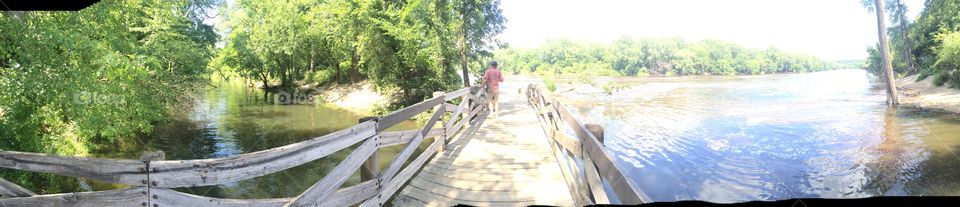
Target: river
[(730, 139), (720, 139), (224, 119)]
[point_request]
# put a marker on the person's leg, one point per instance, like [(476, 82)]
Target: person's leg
[(490, 100), (496, 103)]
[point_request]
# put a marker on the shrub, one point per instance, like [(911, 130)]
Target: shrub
[(940, 78), (320, 77), (551, 84), (948, 58)]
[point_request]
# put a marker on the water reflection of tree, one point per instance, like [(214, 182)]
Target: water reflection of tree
[(884, 176)]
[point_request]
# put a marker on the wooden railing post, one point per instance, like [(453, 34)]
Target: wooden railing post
[(598, 164), (443, 136), (596, 130), (370, 168), (146, 158)]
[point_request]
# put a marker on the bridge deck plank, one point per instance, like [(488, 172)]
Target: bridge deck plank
[(504, 161)]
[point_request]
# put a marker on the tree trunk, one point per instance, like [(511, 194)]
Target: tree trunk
[(311, 58), (354, 63), (885, 53), (263, 79), (463, 59), (336, 75), (907, 46)]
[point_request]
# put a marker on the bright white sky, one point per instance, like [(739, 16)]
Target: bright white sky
[(830, 29)]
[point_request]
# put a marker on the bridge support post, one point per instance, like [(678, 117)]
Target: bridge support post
[(596, 130), (146, 158), (370, 168), (443, 137)]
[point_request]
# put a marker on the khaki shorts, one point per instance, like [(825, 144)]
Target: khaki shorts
[(493, 95)]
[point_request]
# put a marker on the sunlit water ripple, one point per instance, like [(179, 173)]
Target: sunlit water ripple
[(729, 139)]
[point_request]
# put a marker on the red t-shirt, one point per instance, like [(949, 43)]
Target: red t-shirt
[(493, 78)]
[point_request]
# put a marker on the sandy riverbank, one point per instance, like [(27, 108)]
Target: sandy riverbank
[(925, 95), (361, 98)]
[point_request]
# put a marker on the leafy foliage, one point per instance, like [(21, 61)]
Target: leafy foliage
[(408, 46), (948, 58), (100, 75), (938, 19)]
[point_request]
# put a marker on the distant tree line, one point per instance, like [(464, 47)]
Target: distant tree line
[(659, 56)]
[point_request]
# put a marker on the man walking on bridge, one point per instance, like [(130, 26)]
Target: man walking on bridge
[(492, 79)]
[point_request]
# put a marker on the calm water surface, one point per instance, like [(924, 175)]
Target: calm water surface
[(729, 139), (720, 139), (227, 119)]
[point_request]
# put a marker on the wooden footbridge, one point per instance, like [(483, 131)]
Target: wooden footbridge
[(472, 159)]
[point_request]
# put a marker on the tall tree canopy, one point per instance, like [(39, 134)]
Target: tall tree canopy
[(405, 46)]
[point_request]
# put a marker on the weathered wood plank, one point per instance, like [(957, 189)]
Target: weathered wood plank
[(453, 130), (444, 200), (510, 195), (167, 197), (402, 137), (456, 113), (406, 201), (391, 187), (371, 167), (134, 196), (567, 174), (353, 194), (130, 172), (408, 150), (625, 189), (11, 189), (481, 164), (403, 114), (449, 106), (342, 197), (505, 173), (595, 183), (184, 173), (456, 94), (335, 177), (568, 143), (583, 191), (478, 166), (474, 185)]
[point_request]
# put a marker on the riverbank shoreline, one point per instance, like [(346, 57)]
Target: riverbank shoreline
[(361, 97), (925, 95)]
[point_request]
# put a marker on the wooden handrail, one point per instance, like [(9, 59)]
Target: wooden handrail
[(597, 164), (152, 178), (10, 189)]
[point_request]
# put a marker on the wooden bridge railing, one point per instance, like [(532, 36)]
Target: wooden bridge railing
[(151, 177), (585, 163)]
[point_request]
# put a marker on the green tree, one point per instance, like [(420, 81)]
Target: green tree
[(885, 57), (73, 81), (476, 23), (937, 18), (948, 59)]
